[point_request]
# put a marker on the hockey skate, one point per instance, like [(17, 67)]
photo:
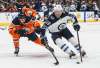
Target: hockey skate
[(72, 55), (16, 51)]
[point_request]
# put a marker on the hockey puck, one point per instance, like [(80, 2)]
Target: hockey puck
[(78, 62)]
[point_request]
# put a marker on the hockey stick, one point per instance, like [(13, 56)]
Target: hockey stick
[(57, 62), (52, 52), (79, 46)]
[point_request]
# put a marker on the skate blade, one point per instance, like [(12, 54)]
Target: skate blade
[(75, 57)]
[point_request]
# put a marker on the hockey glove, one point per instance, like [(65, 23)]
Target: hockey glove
[(38, 30), (76, 27), (22, 32), (44, 40)]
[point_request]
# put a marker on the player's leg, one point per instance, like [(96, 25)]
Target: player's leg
[(62, 44), (74, 42), (16, 38), (33, 37), (69, 36), (16, 45)]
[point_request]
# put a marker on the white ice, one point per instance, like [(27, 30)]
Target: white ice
[(35, 56)]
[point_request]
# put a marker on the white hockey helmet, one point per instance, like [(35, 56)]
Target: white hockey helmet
[(57, 8)]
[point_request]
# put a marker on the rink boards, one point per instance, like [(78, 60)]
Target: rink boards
[(7, 17)]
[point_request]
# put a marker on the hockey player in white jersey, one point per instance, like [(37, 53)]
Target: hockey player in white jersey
[(57, 26)]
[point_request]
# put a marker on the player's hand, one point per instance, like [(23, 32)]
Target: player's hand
[(21, 32), (44, 40), (76, 27)]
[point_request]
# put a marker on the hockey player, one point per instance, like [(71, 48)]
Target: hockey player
[(57, 26), (23, 26)]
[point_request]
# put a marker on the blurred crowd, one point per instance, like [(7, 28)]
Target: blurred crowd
[(41, 5)]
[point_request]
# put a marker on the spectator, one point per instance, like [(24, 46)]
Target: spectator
[(90, 6), (38, 5), (67, 6), (78, 4), (83, 6), (12, 8), (96, 10), (19, 6), (95, 7), (2, 8), (45, 10), (50, 6), (73, 7), (32, 5)]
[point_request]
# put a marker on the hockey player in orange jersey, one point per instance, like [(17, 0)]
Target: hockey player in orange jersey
[(23, 26)]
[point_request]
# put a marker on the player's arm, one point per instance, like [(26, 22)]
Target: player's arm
[(76, 26), (43, 33)]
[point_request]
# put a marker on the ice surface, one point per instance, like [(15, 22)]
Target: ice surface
[(35, 56)]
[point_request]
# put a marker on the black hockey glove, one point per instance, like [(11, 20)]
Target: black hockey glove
[(38, 30), (44, 40), (76, 27), (22, 32)]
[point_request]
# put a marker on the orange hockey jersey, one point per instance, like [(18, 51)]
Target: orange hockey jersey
[(30, 27)]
